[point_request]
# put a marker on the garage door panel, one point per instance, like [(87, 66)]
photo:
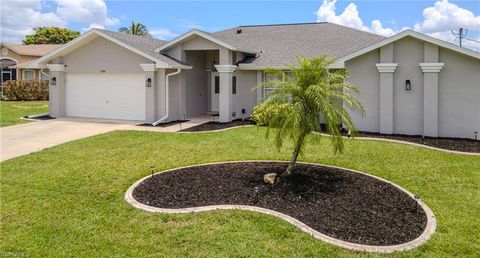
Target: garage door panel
[(111, 96)]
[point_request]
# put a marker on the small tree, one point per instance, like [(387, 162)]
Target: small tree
[(314, 92), (50, 35), (135, 29)]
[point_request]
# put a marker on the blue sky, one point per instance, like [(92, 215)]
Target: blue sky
[(167, 19)]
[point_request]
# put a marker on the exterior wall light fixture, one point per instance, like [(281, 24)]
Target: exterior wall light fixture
[(408, 85), (54, 80), (148, 82)]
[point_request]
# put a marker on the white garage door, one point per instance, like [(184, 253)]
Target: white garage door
[(111, 96)]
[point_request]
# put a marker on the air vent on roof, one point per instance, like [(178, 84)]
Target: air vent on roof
[(239, 31)]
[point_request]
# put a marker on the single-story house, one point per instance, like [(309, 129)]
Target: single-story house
[(15, 57), (409, 83)]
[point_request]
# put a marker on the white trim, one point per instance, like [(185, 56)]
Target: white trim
[(201, 34), (413, 34), (16, 69), (56, 67), (46, 75), (29, 70), (386, 67), (431, 67), (167, 97), (148, 67), (226, 68), (54, 53)]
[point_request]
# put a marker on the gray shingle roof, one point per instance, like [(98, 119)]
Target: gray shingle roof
[(143, 43), (279, 45)]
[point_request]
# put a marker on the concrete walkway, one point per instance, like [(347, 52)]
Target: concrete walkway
[(23, 139)]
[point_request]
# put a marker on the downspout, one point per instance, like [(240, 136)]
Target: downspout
[(167, 104)]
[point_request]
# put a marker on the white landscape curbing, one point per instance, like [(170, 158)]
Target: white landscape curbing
[(427, 233)]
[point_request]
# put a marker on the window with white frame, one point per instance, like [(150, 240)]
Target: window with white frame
[(267, 90), (28, 75)]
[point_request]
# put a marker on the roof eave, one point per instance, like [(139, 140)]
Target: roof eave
[(57, 52), (413, 34), (202, 34)]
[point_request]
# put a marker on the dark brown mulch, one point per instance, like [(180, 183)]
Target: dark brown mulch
[(456, 144), (211, 126), (339, 203)]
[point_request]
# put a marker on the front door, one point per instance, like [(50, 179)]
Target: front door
[(215, 92)]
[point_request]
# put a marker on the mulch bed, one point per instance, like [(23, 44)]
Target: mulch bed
[(211, 126), (342, 204), (456, 144)]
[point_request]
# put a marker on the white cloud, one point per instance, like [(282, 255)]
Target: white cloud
[(162, 33), (20, 17), (437, 21), (91, 11), (349, 17), (443, 16), (377, 28)]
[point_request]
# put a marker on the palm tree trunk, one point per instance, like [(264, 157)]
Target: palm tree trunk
[(296, 152)]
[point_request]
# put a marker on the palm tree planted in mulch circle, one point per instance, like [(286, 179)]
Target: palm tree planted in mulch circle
[(135, 29), (316, 95)]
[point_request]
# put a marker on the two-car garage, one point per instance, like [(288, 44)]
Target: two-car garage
[(106, 95)]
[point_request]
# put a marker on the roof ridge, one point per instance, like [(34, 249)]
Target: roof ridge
[(281, 24)]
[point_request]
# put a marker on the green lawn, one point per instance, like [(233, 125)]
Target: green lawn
[(11, 111), (69, 200)]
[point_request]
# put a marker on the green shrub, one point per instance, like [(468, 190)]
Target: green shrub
[(25, 90), (264, 112)]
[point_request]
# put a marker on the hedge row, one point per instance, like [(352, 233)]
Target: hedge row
[(25, 90)]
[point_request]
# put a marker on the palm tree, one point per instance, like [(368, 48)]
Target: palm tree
[(315, 94), (135, 29)]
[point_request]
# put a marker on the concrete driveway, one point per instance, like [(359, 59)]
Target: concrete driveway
[(18, 140), (23, 139)]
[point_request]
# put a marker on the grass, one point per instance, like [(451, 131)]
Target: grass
[(11, 111), (69, 200)]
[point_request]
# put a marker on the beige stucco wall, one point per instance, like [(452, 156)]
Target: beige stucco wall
[(246, 97), (101, 54), (408, 105), (458, 90), (459, 95), (365, 76)]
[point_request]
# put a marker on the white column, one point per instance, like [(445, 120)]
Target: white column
[(430, 98), (225, 102), (57, 94), (386, 71), (150, 92)]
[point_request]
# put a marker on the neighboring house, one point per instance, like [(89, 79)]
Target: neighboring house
[(15, 57), (409, 83)]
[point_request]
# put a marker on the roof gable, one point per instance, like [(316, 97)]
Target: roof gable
[(137, 44), (32, 49), (198, 33), (407, 33)]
